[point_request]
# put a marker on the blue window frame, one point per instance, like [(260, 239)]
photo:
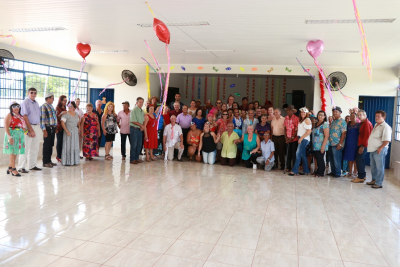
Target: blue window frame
[(24, 75), (397, 129)]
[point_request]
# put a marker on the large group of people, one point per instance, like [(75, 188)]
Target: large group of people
[(229, 133)]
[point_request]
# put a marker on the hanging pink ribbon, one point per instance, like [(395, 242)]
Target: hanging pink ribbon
[(112, 85), (9, 36)]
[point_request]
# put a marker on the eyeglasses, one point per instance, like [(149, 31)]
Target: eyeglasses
[(207, 122), (33, 93), (219, 102), (225, 114), (15, 106)]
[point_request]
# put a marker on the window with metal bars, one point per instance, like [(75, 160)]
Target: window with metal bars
[(397, 132), (23, 75)]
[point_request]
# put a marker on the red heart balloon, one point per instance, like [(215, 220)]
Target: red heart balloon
[(161, 31), (83, 50)]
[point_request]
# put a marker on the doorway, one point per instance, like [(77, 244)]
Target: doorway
[(108, 95)]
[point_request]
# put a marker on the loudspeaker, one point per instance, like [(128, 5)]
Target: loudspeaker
[(298, 100), (172, 91)]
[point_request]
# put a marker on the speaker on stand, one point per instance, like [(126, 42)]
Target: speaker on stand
[(298, 99)]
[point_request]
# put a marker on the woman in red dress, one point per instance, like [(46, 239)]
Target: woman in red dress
[(150, 133), (90, 128)]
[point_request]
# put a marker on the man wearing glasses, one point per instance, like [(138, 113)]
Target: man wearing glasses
[(30, 110)]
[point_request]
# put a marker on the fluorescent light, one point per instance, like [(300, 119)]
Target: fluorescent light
[(336, 51), (209, 50), (44, 29), (198, 23), (110, 51), (341, 21)]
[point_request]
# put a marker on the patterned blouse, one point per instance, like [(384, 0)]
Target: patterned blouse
[(17, 121), (318, 136)]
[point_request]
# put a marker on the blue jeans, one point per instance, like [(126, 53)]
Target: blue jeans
[(136, 143), (378, 165), (301, 155), (360, 162), (335, 158), (209, 157)]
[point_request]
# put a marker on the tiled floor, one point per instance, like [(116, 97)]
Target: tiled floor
[(111, 213)]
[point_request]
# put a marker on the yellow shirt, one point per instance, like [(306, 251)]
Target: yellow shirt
[(229, 149)]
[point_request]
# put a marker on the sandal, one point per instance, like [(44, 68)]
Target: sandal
[(293, 174)]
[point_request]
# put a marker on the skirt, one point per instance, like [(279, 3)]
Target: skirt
[(110, 137), (19, 142)]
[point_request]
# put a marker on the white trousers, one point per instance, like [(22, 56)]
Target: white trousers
[(169, 154), (31, 150)]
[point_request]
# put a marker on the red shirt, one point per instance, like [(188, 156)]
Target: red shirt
[(167, 119), (291, 125), (173, 112), (365, 132), (58, 111), (243, 107)]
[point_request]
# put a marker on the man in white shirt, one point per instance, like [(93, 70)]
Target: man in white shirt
[(267, 149), (80, 115), (378, 144), (173, 139)]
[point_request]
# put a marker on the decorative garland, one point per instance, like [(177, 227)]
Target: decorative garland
[(187, 86), (277, 93), (272, 92), (193, 88), (199, 90), (321, 87), (248, 87), (284, 91), (266, 91), (259, 90), (223, 89), (205, 91), (218, 88), (212, 90), (253, 89)]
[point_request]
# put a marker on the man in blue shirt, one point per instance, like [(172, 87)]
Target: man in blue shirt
[(337, 135)]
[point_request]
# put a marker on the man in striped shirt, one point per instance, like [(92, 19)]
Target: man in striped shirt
[(48, 124)]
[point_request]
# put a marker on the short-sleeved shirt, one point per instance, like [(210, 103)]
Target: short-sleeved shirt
[(266, 150), (380, 134), (222, 126), (167, 119), (137, 115), (318, 136), (247, 123), (229, 149), (184, 121), (172, 140), (291, 125), (123, 120), (337, 128), (79, 112), (31, 109), (48, 116), (261, 130), (199, 123), (278, 126), (160, 121)]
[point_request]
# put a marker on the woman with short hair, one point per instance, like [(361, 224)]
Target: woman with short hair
[(90, 130), (70, 123), (14, 138), (109, 126), (251, 145)]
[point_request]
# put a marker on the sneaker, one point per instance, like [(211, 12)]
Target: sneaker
[(254, 166)]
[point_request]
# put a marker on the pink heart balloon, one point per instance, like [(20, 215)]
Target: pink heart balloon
[(315, 48)]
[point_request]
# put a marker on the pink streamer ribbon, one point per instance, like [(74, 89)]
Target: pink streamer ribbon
[(112, 85), (9, 36)]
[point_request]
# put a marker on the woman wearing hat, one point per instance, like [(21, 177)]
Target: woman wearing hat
[(14, 139)]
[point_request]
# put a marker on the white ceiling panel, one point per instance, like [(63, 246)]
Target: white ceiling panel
[(262, 32)]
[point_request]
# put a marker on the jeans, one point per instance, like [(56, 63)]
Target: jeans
[(335, 157), (360, 162), (60, 136), (136, 143), (209, 157), (378, 165), (291, 155), (123, 143), (48, 143), (320, 162), (301, 155)]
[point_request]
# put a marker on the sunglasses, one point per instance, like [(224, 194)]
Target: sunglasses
[(207, 122), (219, 102), (33, 93), (15, 106), (225, 114)]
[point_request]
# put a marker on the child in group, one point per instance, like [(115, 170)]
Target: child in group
[(267, 150)]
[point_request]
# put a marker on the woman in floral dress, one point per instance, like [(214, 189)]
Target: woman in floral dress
[(90, 129)]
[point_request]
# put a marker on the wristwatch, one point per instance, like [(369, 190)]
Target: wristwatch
[(340, 144)]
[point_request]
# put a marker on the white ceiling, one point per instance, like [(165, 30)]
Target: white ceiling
[(262, 32)]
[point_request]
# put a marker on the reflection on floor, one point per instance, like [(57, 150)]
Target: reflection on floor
[(112, 213)]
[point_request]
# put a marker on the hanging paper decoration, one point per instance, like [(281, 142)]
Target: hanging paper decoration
[(237, 94), (205, 90), (218, 88), (288, 70), (248, 88), (212, 90), (254, 69), (187, 86), (241, 68), (266, 91), (172, 67), (148, 81), (199, 89), (193, 88), (277, 93), (271, 69), (322, 89), (364, 44), (214, 68), (259, 90), (272, 92), (8, 36), (284, 91), (253, 91), (228, 68), (183, 68), (223, 89), (232, 85), (200, 68)]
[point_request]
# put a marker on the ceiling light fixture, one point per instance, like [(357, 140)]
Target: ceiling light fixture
[(342, 21), (198, 23), (336, 51), (110, 51), (44, 29), (209, 50)]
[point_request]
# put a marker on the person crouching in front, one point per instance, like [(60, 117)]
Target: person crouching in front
[(268, 150)]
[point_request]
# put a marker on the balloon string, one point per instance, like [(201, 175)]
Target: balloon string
[(155, 60), (163, 80), (112, 85), (305, 69), (150, 9), (166, 86), (80, 75)]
